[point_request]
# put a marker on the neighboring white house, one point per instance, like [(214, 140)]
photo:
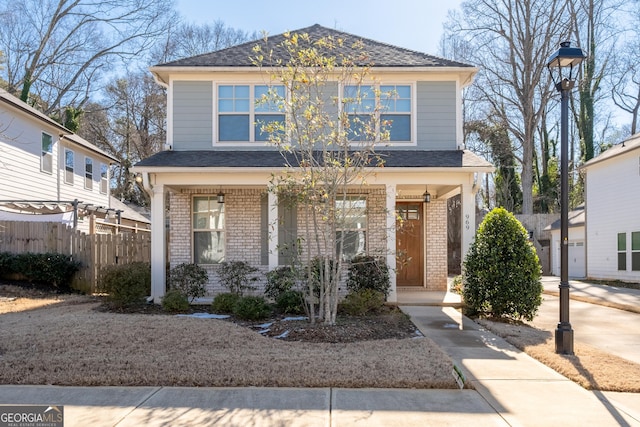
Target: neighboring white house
[(215, 172), (48, 173), (577, 261), (612, 215)]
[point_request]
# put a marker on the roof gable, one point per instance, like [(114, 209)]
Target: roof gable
[(381, 54), (630, 144)]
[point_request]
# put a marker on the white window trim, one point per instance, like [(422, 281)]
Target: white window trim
[(413, 114), (104, 180), (73, 167), (88, 160), (365, 229), (252, 114), (49, 153), (223, 230)]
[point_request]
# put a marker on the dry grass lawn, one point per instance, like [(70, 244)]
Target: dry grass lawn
[(69, 342), (592, 368)]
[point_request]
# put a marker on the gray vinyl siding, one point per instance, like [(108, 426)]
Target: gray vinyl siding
[(436, 115), (192, 115)]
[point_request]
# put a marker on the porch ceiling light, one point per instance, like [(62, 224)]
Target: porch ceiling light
[(220, 197), (426, 197)]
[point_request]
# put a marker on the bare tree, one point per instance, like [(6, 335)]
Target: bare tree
[(328, 145), (188, 39), (57, 50), (512, 40)]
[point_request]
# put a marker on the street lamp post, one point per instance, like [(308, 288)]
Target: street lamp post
[(566, 58)]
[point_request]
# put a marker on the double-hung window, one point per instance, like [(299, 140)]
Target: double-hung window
[(104, 178), (622, 251), (244, 110), (208, 230), (635, 251), (375, 109), (88, 173), (46, 157), (68, 166), (351, 230)]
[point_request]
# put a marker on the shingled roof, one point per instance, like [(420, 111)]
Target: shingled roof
[(273, 159), (381, 54)]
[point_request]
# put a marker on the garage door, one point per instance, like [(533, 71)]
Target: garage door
[(577, 259)]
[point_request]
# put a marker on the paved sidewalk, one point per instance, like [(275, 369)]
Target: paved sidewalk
[(519, 388)]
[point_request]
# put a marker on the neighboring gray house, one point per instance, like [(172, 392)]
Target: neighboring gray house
[(213, 149)]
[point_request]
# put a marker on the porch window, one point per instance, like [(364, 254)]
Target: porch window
[(68, 166), (46, 158), (622, 251), (208, 230), (351, 230), (104, 178), (88, 173), (635, 251), (394, 111), (244, 109)]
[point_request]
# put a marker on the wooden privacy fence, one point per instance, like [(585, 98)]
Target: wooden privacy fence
[(94, 252)]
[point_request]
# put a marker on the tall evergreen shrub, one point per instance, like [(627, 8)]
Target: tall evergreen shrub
[(501, 272)]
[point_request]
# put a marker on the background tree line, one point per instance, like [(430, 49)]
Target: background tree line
[(85, 63)]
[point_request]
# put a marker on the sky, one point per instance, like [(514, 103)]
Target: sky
[(411, 24)]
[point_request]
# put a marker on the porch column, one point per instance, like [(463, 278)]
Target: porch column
[(272, 221), (158, 244), (468, 218), (391, 240)]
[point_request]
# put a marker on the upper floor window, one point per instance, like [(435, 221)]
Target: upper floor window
[(46, 158), (88, 173), (374, 109), (243, 111), (104, 178), (68, 166)]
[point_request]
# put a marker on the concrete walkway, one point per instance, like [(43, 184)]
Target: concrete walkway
[(511, 389)]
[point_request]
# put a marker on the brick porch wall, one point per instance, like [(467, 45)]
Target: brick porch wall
[(436, 251), (242, 224)]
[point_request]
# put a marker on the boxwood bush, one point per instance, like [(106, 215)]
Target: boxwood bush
[(126, 285), (52, 269), (368, 272), (501, 272)]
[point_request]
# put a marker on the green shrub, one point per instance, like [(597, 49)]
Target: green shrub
[(224, 303), (290, 302), (368, 272), (237, 276), (189, 279), (251, 308), (127, 284), (279, 281), (501, 272), (362, 302), (48, 268), (174, 301)]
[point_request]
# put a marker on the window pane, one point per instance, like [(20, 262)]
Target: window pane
[(225, 105), (354, 243), (622, 241), (265, 119), (359, 99), (635, 261), (47, 144), (88, 166), (233, 127), (635, 241), (622, 261), (274, 95), (241, 91), (225, 92), (400, 126), (68, 160), (208, 247)]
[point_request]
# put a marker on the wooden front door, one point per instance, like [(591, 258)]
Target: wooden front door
[(409, 244)]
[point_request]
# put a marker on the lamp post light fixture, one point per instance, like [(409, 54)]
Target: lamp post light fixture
[(566, 58)]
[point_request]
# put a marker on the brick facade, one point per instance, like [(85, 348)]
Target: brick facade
[(243, 232)]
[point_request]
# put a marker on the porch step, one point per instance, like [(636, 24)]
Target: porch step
[(420, 296)]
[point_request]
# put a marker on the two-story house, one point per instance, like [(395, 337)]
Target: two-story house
[(48, 173), (217, 166)]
